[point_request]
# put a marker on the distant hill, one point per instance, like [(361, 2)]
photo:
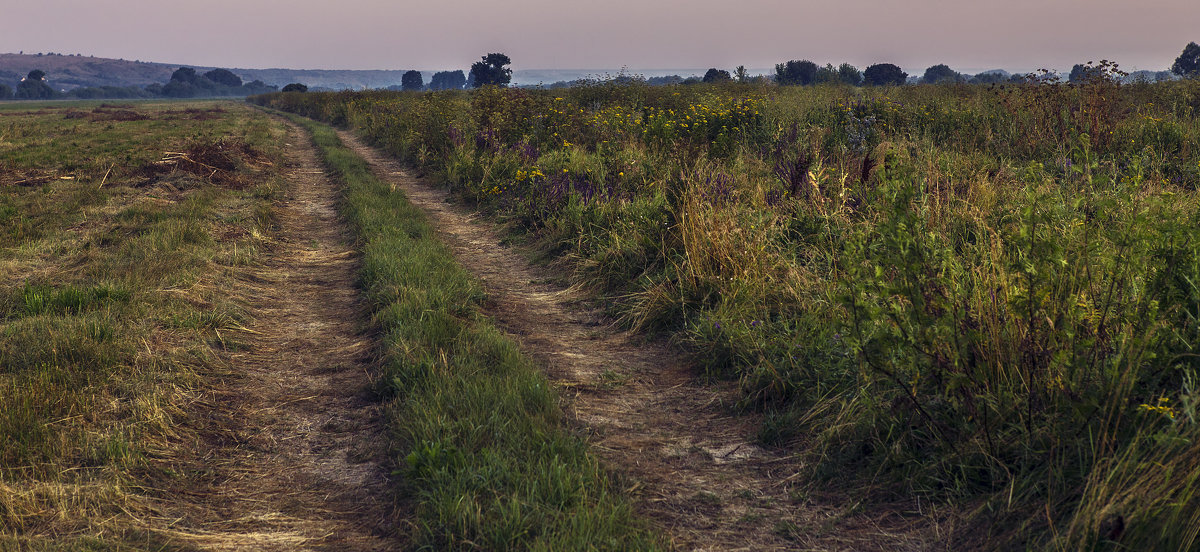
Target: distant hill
[(67, 72)]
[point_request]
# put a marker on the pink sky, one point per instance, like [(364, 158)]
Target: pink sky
[(969, 35)]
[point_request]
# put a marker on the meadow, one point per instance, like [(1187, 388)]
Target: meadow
[(981, 297), (120, 227)]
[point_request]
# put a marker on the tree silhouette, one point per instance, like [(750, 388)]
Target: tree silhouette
[(717, 75), (941, 73), (1188, 63), (883, 74), (448, 80), (411, 80), (491, 71), (795, 72), (849, 74), (295, 87), (224, 77)]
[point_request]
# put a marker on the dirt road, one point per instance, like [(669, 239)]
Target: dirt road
[(295, 455), (690, 462)]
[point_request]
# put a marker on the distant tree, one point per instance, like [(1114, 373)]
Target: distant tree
[(741, 74), (411, 80), (940, 74), (31, 89), (491, 71), (186, 75), (989, 77), (36, 75), (664, 80), (295, 87), (224, 77), (448, 80), (155, 89), (883, 74), (1187, 65), (1084, 72), (827, 75), (716, 75), (849, 74), (180, 89), (795, 72), (6, 92)]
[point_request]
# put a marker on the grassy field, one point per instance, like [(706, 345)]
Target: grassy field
[(487, 463), (984, 298), (119, 225)]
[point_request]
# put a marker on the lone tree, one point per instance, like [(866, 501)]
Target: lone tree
[(491, 71), (883, 74), (717, 75), (36, 75), (941, 73), (448, 80), (412, 81), (224, 77), (802, 72), (1187, 65), (295, 87)]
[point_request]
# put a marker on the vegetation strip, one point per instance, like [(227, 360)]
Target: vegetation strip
[(487, 462), (981, 298)]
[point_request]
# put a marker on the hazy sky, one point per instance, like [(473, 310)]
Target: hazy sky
[(641, 34)]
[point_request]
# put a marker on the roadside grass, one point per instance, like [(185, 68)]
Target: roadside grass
[(487, 463), (983, 298), (113, 316)]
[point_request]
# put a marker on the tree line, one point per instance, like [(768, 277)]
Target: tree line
[(493, 70), (185, 82)]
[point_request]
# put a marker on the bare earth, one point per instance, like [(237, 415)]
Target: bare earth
[(688, 459), (295, 455)]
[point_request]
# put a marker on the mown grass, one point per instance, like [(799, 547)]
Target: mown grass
[(111, 311), (982, 297), (487, 463)]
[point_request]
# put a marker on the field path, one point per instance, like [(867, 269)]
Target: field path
[(688, 459), (296, 446)]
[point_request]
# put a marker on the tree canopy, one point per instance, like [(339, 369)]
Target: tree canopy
[(30, 89), (295, 87), (448, 80), (717, 75), (223, 77), (941, 73), (491, 71), (36, 75), (6, 92), (1188, 63), (802, 72), (411, 80), (883, 74)]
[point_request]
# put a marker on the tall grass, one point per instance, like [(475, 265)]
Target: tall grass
[(983, 296), (487, 464)]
